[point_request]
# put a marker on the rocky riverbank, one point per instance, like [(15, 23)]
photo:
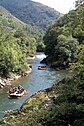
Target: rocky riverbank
[(49, 61), (7, 81)]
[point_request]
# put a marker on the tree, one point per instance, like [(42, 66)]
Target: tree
[(66, 50), (11, 58), (50, 39), (79, 2), (80, 63), (62, 39), (26, 43)]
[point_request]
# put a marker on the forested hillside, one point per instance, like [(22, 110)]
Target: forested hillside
[(65, 39), (37, 15), (11, 22), (15, 45), (8, 21)]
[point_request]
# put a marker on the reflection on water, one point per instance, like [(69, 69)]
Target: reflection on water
[(37, 80)]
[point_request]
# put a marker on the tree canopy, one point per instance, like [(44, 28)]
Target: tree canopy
[(63, 39), (15, 45)]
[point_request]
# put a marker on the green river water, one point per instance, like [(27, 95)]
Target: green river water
[(36, 81)]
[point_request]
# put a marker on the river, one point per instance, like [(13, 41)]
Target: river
[(37, 80)]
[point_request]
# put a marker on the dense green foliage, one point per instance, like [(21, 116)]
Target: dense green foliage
[(68, 107), (63, 39), (13, 52), (27, 44), (10, 22), (11, 58), (80, 63), (37, 15), (15, 45)]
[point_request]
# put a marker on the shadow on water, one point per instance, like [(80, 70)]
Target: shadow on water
[(37, 80)]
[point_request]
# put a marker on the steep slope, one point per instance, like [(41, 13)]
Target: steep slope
[(31, 12), (64, 38), (15, 45), (10, 22)]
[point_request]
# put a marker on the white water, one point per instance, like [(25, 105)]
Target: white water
[(41, 56)]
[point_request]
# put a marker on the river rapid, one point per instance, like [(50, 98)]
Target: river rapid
[(36, 81)]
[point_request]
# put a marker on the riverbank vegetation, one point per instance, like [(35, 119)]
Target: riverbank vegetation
[(15, 45), (65, 39)]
